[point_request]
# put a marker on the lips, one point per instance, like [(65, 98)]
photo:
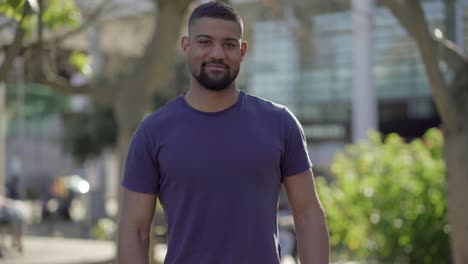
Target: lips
[(215, 66)]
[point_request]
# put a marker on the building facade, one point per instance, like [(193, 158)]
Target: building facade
[(316, 82)]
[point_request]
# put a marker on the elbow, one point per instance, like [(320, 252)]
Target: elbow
[(309, 213), (134, 231), (144, 233)]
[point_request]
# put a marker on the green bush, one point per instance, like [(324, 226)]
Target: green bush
[(104, 229), (388, 200)]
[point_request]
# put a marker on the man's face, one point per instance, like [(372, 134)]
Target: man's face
[(215, 50)]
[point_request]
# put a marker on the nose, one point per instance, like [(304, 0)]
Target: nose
[(217, 52)]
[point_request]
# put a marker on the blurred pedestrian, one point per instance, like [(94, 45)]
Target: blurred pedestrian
[(216, 158), (12, 187), (11, 219)]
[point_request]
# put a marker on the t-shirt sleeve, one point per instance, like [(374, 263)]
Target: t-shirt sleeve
[(295, 158), (141, 172)]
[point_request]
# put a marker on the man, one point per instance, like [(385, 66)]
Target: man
[(216, 158)]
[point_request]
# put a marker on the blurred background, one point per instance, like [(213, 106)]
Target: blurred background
[(380, 87)]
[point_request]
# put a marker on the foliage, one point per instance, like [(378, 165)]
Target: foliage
[(61, 12), (12, 8), (388, 202), (56, 14), (88, 133), (104, 229), (81, 61)]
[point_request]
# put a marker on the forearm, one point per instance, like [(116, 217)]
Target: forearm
[(133, 246), (312, 236)]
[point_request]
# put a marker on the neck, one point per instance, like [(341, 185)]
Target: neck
[(206, 100)]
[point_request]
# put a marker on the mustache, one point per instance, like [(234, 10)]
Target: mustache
[(216, 62)]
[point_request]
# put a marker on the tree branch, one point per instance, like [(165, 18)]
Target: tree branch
[(100, 91), (88, 21), (61, 85), (152, 69), (411, 17), (40, 31), (15, 46), (448, 51)]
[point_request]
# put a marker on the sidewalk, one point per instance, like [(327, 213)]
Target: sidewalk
[(48, 250), (51, 250)]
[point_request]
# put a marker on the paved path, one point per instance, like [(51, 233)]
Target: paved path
[(48, 250)]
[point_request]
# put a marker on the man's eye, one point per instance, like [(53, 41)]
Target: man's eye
[(231, 45), (204, 42)]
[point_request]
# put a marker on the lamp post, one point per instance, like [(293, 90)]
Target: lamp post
[(2, 138), (364, 100), (17, 159)]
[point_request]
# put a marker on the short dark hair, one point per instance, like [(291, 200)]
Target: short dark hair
[(216, 9)]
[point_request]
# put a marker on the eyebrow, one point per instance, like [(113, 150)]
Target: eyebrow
[(210, 37)]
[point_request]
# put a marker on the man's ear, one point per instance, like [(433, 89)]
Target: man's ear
[(185, 44), (243, 49)]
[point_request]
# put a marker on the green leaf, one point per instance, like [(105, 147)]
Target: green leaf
[(61, 13), (81, 61), (388, 200), (12, 9), (15, 3)]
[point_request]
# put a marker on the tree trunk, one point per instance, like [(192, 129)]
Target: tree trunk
[(456, 153), (126, 130), (135, 94), (451, 103), (123, 140), (15, 47)]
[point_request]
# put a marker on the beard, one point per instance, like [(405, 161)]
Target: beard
[(215, 84)]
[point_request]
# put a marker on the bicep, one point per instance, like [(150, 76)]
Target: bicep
[(137, 209), (301, 191)]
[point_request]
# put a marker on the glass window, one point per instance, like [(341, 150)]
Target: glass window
[(398, 71)]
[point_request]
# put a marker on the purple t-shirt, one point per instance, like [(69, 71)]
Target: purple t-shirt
[(218, 177)]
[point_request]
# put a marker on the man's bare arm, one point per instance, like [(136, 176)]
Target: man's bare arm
[(134, 227), (309, 218)]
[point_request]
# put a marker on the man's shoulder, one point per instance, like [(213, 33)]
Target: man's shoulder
[(268, 109), (163, 115), (259, 103)]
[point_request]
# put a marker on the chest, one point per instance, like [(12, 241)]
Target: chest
[(234, 155)]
